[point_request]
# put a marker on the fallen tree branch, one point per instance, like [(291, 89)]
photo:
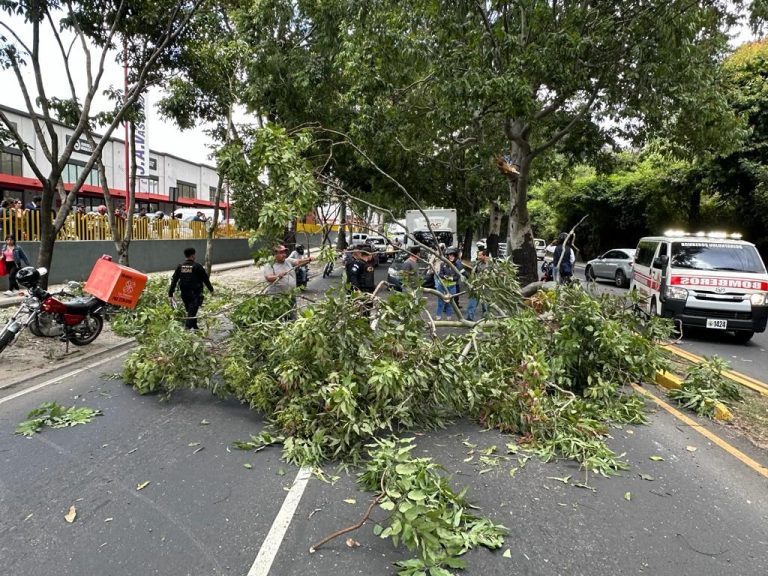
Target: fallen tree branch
[(363, 520)]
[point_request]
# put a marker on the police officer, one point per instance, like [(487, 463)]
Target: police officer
[(360, 270), (190, 276)]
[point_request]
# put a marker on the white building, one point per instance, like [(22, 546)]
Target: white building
[(170, 181)]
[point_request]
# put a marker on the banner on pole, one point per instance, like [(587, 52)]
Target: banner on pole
[(141, 149)]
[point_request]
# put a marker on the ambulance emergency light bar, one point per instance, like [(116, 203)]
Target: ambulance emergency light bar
[(721, 235)]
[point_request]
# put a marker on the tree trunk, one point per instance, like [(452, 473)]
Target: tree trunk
[(694, 208), (341, 241), (212, 226), (130, 194), (494, 231), (466, 253), (47, 230), (519, 236)]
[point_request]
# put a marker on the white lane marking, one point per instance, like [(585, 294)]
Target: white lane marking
[(271, 545), (62, 377)]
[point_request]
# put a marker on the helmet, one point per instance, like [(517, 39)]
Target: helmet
[(452, 250), (28, 277), (299, 248)]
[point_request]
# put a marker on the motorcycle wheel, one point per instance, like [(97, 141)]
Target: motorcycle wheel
[(34, 327), (87, 331), (6, 337)]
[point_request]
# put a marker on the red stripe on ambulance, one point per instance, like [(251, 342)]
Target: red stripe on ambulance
[(715, 282)]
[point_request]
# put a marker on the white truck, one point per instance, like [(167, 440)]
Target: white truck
[(441, 227)]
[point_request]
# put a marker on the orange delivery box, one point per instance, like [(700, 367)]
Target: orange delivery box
[(115, 284)]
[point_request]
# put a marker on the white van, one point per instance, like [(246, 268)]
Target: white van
[(714, 281), (187, 214)]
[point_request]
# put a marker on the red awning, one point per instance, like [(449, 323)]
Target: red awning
[(20, 182), (23, 183)]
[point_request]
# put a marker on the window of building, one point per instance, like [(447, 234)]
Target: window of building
[(148, 185), (212, 193), (152, 163), (10, 162), (72, 172), (186, 190)]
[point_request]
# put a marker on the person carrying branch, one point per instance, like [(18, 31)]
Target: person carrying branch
[(280, 274), (563, 259)]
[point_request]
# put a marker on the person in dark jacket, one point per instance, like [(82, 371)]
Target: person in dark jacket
[(13, 256), (191, 277), (360, 270)]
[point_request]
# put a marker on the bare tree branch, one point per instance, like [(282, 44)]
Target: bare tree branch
[(34, 116), (22, 146), (568, 127)]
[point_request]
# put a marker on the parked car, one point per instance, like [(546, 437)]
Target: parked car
[(614, 265), (482, 244), (379, 244), (541, 247), (395, 271)]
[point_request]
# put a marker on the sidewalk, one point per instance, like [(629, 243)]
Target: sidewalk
[(6, 301), (33, 358)]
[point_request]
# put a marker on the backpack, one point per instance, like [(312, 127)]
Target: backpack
[(566, 267)]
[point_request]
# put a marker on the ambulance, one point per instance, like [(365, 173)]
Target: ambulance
[(709, 280)]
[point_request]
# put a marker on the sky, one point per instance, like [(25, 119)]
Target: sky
[(162, 135)]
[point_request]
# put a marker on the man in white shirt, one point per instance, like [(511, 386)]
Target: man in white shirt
[(280, 274)]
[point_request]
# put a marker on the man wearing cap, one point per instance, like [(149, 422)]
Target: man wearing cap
[(360, 270), (280, 274)]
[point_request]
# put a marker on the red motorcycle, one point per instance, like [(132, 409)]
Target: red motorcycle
[(79, 321)]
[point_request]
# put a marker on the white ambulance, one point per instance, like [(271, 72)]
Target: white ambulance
[(710, 280)]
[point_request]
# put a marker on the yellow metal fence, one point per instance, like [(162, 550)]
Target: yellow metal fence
[(26, 227)]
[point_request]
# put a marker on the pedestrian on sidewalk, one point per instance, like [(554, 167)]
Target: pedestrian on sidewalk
[(191, 277), (13, 256)]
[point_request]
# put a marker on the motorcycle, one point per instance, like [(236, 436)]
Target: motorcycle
[(78, 321), (547, 270)]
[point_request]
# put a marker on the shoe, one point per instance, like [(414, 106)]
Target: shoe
[(438, 317)]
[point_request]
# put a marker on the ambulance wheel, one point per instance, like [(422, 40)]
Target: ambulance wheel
[(744, 336), (653, 311)]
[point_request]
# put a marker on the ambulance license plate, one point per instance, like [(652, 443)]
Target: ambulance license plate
[(717, 324)]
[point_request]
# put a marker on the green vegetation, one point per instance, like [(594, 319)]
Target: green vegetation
[(332, 380), (56, 416), (705, 386), (425, 514)]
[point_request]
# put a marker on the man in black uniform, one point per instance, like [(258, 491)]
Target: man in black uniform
[(360, 270), (190, 276)]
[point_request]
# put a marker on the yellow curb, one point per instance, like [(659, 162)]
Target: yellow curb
[(671, 382), (714, 438), (738, 377), (722, 413), (668, 380)]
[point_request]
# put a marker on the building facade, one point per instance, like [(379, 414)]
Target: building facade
[(170, 182)]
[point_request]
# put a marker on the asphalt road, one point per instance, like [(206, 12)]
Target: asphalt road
[(699, 511)]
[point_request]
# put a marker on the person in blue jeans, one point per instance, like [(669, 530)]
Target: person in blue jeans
[(481, 267), (446, 282)]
